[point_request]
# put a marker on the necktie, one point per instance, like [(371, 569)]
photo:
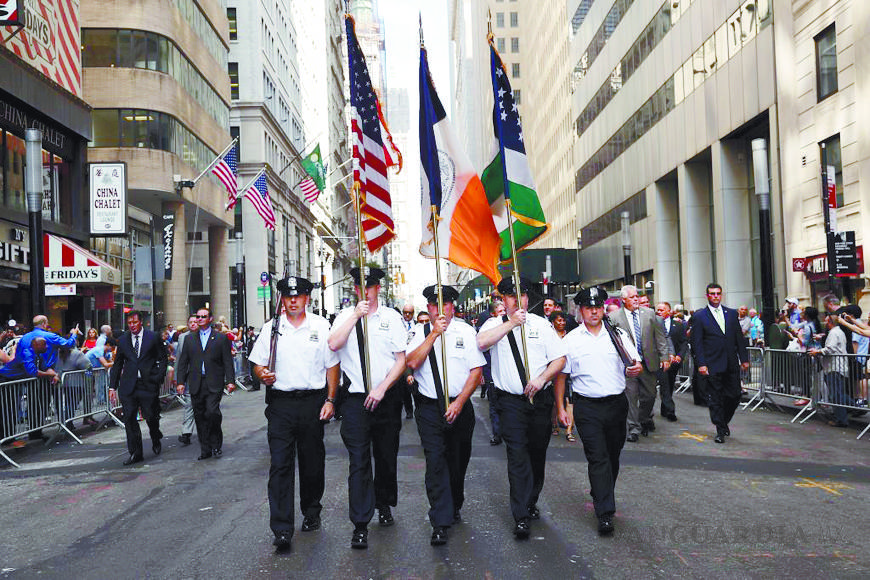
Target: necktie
[(136, 344), (720, 320), (636, 321)]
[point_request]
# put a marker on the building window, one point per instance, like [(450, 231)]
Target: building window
[(194, 236), (826, 62), (515, 20), (500, 44), (515, 70), (231, 17), (499, 19), (515, 44), (518, 97), (833, 158), (196, 280), (233, 69)]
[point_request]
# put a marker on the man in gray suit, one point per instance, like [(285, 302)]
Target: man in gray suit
[(183, 392), (649, 338)]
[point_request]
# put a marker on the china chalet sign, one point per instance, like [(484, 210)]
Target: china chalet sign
[(108, 201)]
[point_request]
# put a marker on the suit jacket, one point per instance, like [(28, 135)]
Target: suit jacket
[(653, 341), (150, 365), (678, 337), (218, 359), (718, 351)]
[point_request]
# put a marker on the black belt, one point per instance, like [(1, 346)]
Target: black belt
[(298, 394), (526, 397), (597, 399), (430, 401)]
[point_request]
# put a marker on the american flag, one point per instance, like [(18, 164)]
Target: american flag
[(258, 195), (369, 155), (309, 189), (226, 169)]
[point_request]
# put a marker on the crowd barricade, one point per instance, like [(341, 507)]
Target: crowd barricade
[(243, 370), (841, 383), (86, 394), (752, 379), (27, 406), (685, 374)]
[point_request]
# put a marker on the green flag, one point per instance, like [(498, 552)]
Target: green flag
[(313, 166)]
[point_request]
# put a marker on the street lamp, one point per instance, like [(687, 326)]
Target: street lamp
[(579, 247), (33, 186), (762, 190), (240, 283), (626, 246)]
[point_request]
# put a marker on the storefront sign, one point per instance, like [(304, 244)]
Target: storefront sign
[(168, 232), (831, 192), (817, 265), (798, 265), (845, 255), (108, 202), (19, 255), (11, 13), (60, 289), (17, 120)]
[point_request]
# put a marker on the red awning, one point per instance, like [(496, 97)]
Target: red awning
[(68, 263)]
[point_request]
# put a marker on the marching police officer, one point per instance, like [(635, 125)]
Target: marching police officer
[(445, 431), (372, 413), (525, 408), (600, 404), (297, 405)]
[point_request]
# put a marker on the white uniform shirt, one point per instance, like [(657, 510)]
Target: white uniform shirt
[(387, 336), (462, 356), (593, 363), (544, 346), (302, 356)]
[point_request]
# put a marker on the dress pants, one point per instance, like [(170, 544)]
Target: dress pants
[(526, 430), (143, 399), (295, 430), (188, 423), (723, 396), (207, 415), (667, 380), (492, 394), (641, 393), (371, 434), (602, 427), (447, 448)]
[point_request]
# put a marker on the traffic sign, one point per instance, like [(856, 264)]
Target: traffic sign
[(264, 278), (264, 294)]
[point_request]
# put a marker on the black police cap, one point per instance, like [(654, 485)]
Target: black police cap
[(431, 293), (372, 275), (294, 286), (506, 286), (593, 296)]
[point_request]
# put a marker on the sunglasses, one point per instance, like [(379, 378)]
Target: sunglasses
[(202, 316)]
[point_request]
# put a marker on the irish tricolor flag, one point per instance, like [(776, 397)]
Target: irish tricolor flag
[(510, 166), (466, 233)]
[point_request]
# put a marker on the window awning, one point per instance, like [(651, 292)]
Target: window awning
[(66, 262)]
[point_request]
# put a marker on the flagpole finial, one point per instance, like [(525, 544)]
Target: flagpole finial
[(420, 15), (489, 24)]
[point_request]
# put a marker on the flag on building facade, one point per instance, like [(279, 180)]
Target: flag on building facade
[(510, 166), (226, 169), (466, 232), (369, 154), (315, 183), (258, 194)]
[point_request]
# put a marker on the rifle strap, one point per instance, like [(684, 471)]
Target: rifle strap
[(362, 353), (516, 352), (433, 361)]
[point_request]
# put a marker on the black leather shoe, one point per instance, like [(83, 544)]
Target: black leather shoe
[(644, 431), (282, 541), (671, 418), (651, 427), (133, 459), (311, 523), (534, 512), (727, 432), (605, 525), (157, 447), (457, 516), (385, 517), (522, 530), (632, 438), (360, 538), (184, 438), (203, 456), (719, 438), (495, 441), (217, 453), (439, 536)]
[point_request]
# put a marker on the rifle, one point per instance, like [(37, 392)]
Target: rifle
[(273, 339), (627, 360)]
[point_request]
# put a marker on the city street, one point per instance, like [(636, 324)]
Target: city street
[(777, 500)]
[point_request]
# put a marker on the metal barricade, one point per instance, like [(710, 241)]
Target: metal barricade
[(85, 394), (686, 372), (243, 371), (27, 406), (752, 379), (841, 386), (790, 375)]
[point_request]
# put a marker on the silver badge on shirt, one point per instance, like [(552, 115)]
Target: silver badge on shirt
[(460, 343), (313, 337)]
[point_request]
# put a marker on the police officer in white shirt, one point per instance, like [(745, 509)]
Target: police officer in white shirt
[(297, 405), (445, 431), (600, 404), (525, 409), (372, 413)]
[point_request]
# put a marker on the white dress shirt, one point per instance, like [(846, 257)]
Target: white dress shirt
[(462, 356), (593, 364), (544, 346), (386, 337), (302, 356)]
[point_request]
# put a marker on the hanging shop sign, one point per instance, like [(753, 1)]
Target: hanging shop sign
[(168, 234), (108, 202)]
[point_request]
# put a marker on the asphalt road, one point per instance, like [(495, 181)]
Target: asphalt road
[(779, 500)]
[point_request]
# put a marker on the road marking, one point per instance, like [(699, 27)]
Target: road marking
[(698, 438), (831, 488)]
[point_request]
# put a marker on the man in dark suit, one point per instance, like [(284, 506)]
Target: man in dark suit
[(206, 366), (720, 353), (140, 365), (678, 342)]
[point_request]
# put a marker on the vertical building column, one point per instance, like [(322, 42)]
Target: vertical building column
[(175, 290), (219, 272), (667, 233), (696, 247), (732, 221)]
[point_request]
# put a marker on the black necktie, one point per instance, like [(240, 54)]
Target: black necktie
[(136, 344)]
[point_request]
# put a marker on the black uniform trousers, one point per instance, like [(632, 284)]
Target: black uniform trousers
[(371, 434), (295, 430), (447, 448), (143, 400), (602, 426), (667, 380), (526, 430), (207, 415), (723, 396)]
